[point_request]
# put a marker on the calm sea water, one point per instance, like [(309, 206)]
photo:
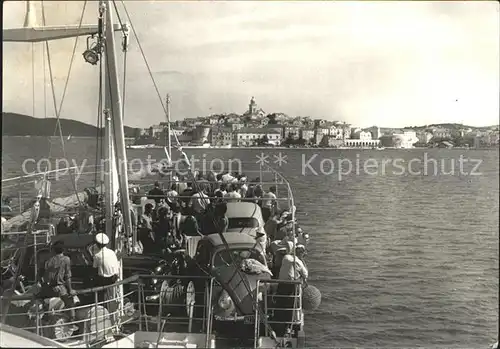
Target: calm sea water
[(403, 259)]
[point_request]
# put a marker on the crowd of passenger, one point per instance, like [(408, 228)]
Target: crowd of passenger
[(180, 208), (197, 208)]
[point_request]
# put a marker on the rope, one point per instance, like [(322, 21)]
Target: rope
[(58, 111)]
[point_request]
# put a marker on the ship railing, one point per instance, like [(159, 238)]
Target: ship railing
[(22, 190), (98, 320), (18, 240), (186, 310), (265, 313), (18, 236), (267, 176), (184, 197)]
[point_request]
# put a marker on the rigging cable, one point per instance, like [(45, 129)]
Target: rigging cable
[(58, 111)]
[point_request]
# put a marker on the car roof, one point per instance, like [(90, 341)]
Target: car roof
[(243, 210), (74, 240), (231, 238)]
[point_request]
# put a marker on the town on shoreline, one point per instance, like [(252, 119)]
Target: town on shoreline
[(255, 128)]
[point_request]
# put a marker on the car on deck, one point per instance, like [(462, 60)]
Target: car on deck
[(245, 217), (223, 257)]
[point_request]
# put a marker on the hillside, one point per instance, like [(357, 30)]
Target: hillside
[(451, 126), (14, 124)]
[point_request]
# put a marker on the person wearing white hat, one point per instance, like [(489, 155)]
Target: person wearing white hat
[(105, 261), (292, 268)]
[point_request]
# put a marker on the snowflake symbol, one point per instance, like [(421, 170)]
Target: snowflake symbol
[(280, 159), (262, 159)]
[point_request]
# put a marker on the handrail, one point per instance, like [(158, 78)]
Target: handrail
[(130, 279), (104, 322)]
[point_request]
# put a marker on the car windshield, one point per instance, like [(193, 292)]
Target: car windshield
[(223, 257), (245, 222)]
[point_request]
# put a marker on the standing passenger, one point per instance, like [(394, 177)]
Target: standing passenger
[(269, 203), (56, 278)]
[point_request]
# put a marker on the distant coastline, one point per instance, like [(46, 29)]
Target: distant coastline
[(19, 125), (447, 136), (268, 148)]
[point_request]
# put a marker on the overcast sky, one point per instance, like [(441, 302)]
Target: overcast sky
[(366, 63)]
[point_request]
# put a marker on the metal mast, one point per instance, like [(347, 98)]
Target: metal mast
[(117, 119)]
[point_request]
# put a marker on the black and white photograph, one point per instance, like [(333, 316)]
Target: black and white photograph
[(250, 174)]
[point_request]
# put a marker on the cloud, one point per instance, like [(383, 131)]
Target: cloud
[(386, 63)]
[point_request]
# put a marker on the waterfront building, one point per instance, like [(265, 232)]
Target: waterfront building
[(201, 134), (319, 132), (361, 135), (405, 140), (362, 143), (221, 136), (308, 135), (331, 141), (335, 132), (246, 137), (291, 131)]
